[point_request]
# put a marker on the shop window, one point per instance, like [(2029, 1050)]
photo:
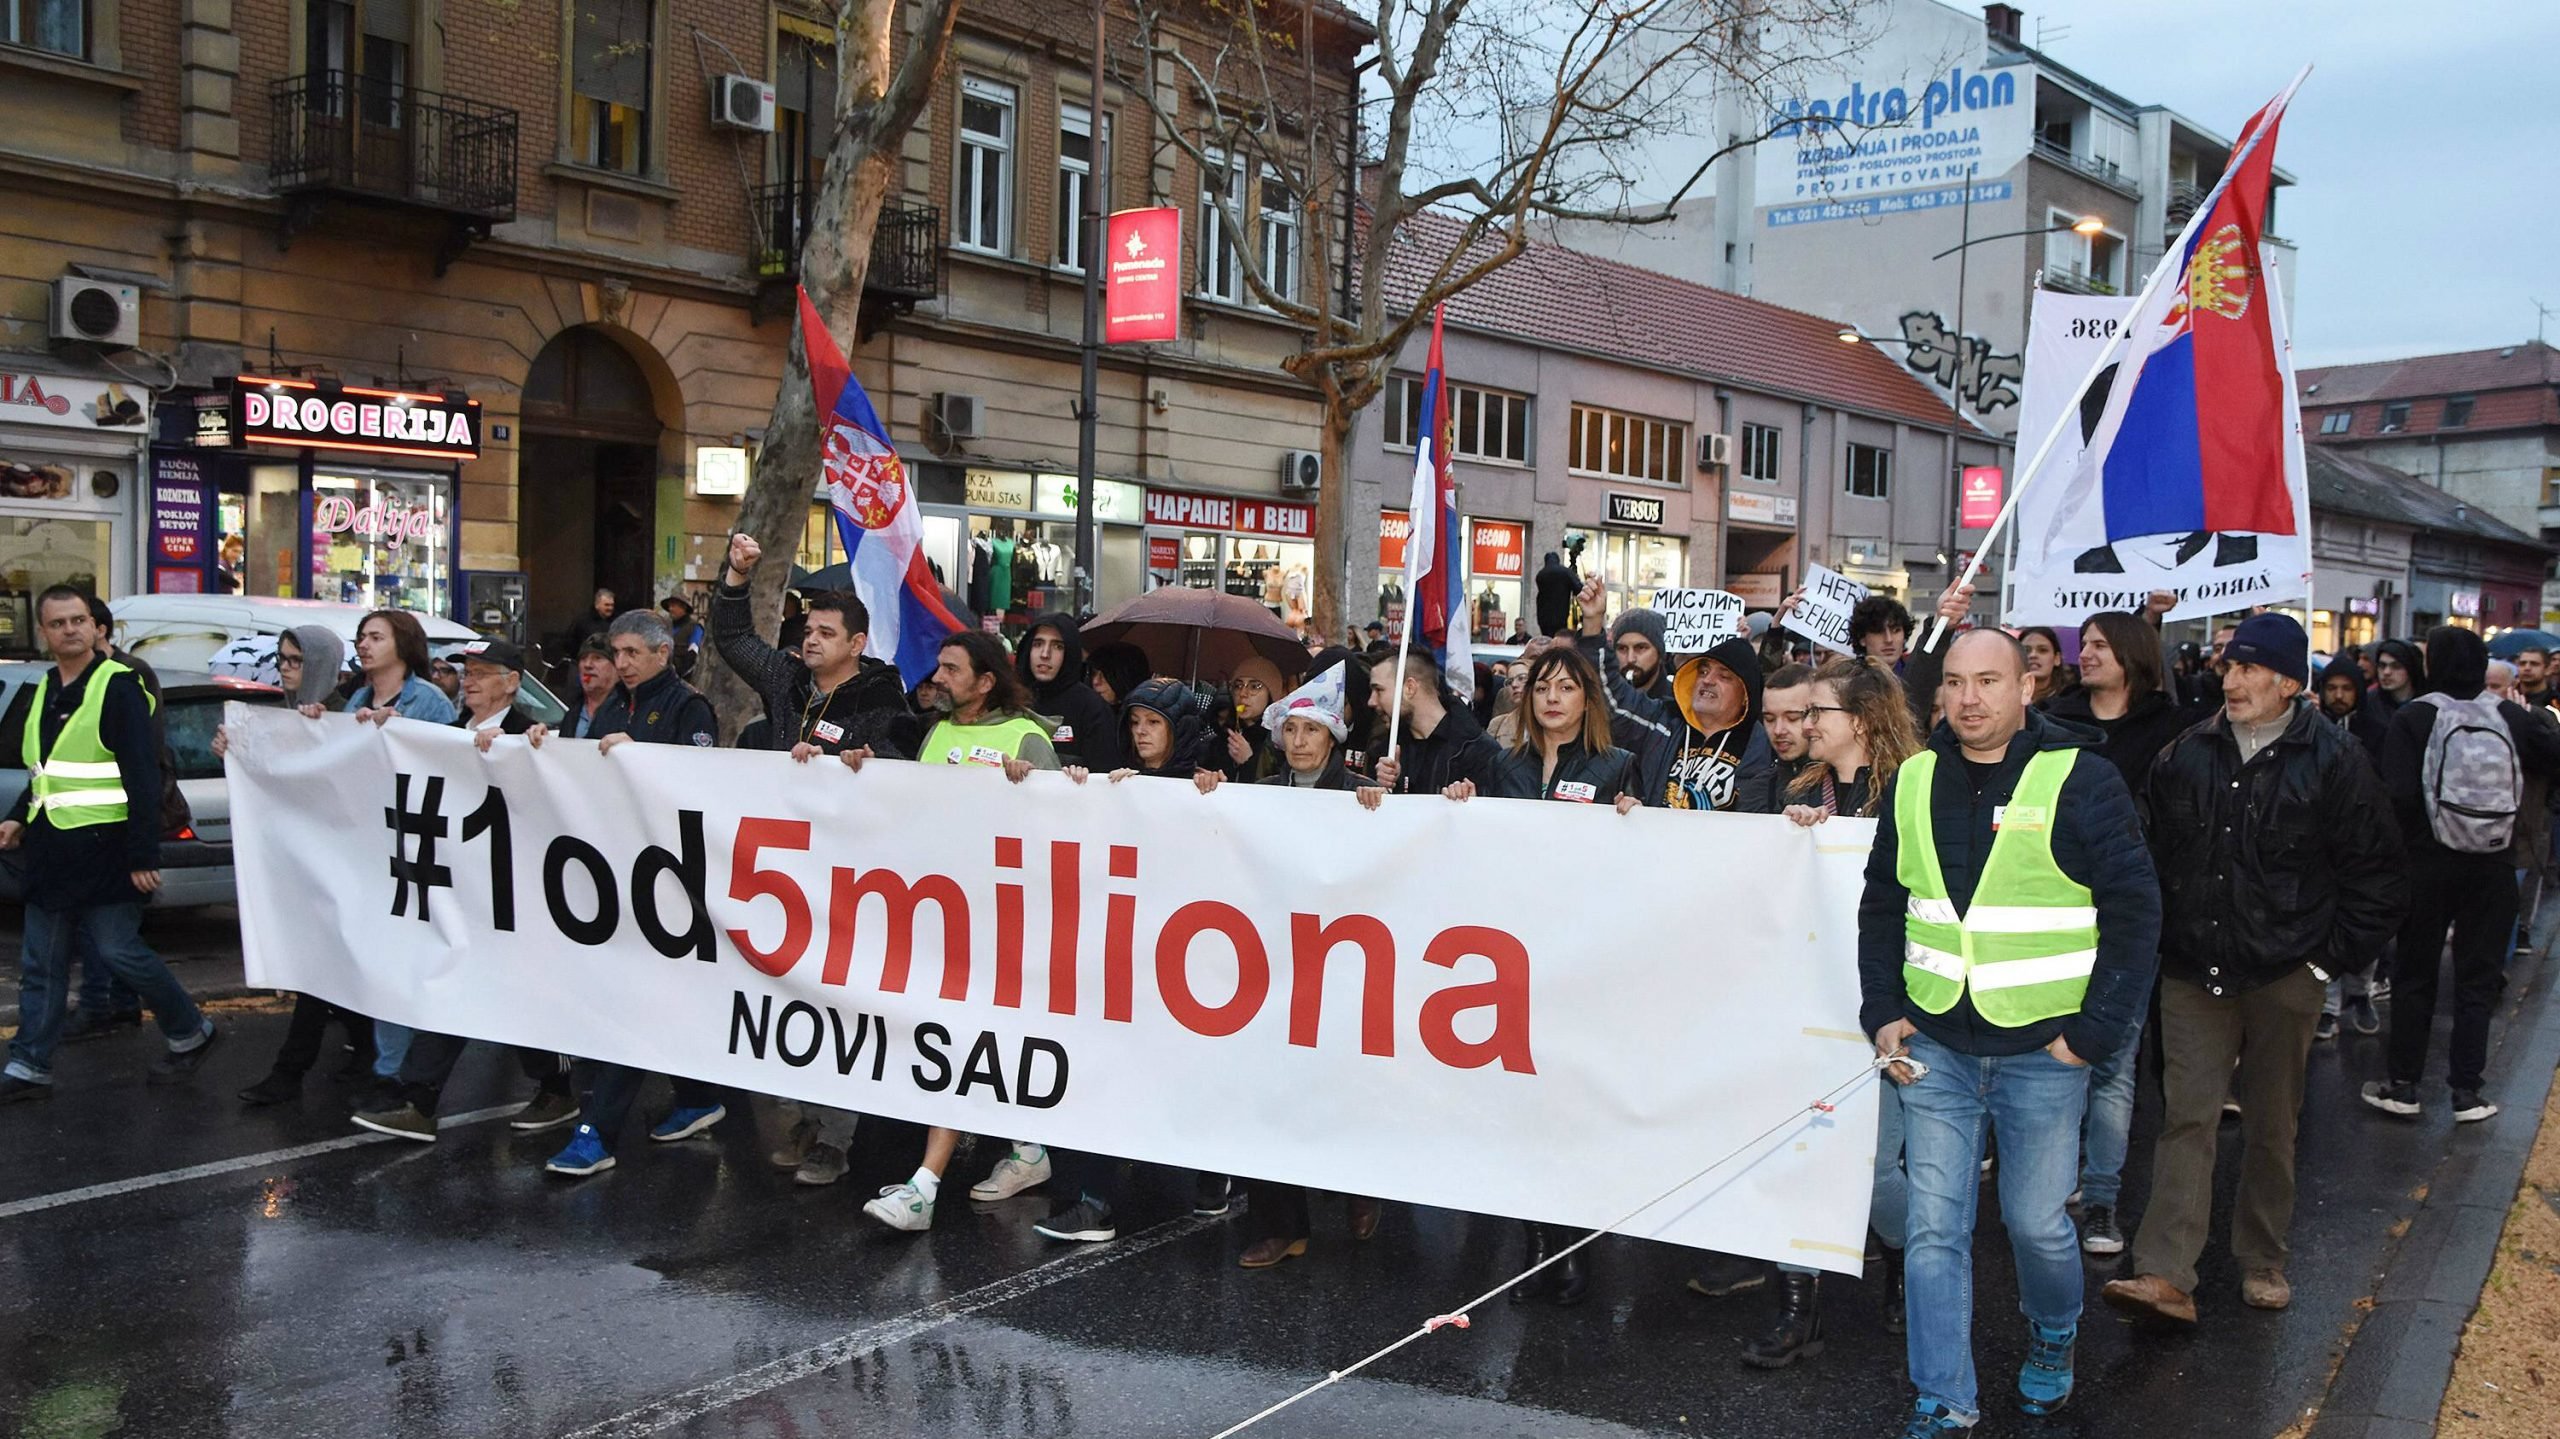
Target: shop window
[(1279, 214), (382, 541), (1076, 171), (1221, 194), (2457, 413), (1870, 472), (39, 552), (1620, 446), (984, 214), (59, 26), (1760, 452), (1636, 566), (2337, 422), (609, 80)]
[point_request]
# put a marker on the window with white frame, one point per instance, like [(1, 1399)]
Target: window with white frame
[(1760, 452), (1870, 471), (984, 212), (1486, 424), (1279, 215), (1619, 446), (1076, 171), (59, 26), (1221, 267), (2094, 261)]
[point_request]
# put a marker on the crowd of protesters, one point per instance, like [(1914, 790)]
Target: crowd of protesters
[(2091, 860)]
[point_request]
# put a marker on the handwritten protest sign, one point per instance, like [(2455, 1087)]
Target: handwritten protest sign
[(1695, 621), (1822, 616)]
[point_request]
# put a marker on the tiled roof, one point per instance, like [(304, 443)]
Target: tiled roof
[(2346, 483), (2465, 372), (1551, 295)]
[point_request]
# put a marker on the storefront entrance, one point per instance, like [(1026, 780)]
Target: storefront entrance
[(586, 482)]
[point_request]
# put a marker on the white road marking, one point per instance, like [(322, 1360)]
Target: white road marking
[(109, 1190), (692, 1404)]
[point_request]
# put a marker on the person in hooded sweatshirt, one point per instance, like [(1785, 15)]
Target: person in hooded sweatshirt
[(1051, 661), (2399, 676), (1556, 584), (1705, 749), (1246, 751), (1118, 670)]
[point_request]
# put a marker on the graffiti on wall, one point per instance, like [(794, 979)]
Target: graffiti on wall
[(1988, 382)]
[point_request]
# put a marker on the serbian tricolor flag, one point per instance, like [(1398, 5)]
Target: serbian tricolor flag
[(1435, 588), (2195, 432), (875, 512)]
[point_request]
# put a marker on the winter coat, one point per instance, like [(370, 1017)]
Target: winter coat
[(1084, 728), (1680, 764), (2289, 859), (1180, 708), (1458, 748), (1334, 776), (2134, 739), (2097, 841), (1581, 776), (660, 710), (1557, 585), (863, 711)]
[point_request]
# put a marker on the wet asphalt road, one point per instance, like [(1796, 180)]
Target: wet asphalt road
[(379, 1287)]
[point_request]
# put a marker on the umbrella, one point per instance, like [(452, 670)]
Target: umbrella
[(2510, 642), (1186, 632), (837, 576), (250, 657)]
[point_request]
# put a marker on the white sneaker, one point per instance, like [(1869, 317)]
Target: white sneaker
[(1011, 1176), (902, 1206)]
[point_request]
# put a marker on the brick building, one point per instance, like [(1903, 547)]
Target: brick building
[(472, 306)]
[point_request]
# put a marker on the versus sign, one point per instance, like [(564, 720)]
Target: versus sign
[(380, 422)]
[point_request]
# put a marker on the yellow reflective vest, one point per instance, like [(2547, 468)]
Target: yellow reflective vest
[(79, 784), (2026, 943)]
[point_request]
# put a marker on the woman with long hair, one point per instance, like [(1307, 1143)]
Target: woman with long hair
[(2046, 673), (2123, 694), (1858, 731)]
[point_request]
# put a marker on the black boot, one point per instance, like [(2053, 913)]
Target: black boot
[(1895, 1321), (1573, 1277), (1798, 1332), (1538, 1249)]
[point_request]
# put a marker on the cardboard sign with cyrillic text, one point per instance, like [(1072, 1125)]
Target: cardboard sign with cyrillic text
[(1822, 616), (1696, 621)]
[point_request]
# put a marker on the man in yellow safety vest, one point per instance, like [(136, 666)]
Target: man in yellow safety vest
[(89, 826), (2006, 941)]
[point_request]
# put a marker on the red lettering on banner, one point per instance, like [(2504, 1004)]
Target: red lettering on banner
[(1311, 943), (1506, 994), (900, 899), (1119, 926), (1173, 968), (1008, 927), (747, 883), (1066, 901)]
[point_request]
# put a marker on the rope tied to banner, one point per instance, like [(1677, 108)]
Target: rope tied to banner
[(1824, 1103)]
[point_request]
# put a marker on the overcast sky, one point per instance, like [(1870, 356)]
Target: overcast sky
[(2424, 147)]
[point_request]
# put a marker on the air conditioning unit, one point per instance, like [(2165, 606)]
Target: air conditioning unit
[(1301, 472), (99, 312), (959, 416), (1714, 451), (743, 102)]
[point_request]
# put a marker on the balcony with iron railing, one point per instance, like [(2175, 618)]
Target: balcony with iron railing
[(2105, 172), (2072, 280), (362, 137), (906, 252)]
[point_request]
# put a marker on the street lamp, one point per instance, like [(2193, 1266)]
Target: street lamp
[(1966, 240)]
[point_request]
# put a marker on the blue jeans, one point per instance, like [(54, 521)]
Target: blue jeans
[(1889, 1205), (101, 993), (390, 1048), (2109, 1128), (114, 932), (2036, 1102)]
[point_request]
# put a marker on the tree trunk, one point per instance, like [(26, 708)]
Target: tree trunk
[(1334, 566)]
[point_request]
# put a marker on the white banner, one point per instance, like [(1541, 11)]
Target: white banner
[(2064, 570), (1258, 982)]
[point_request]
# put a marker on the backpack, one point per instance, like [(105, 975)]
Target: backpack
[(2472, 783)]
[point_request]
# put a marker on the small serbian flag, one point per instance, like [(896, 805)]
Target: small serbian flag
[(876, 514), (1436, 605), (2195, 432)]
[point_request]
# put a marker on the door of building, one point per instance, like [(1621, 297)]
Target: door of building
[(586, 482)]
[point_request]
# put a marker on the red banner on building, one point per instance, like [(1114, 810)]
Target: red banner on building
[(1178, 509), (1498, 549), (1980, 502), (1142, 279), (1395, 529)]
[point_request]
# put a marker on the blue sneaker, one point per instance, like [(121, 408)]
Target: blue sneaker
[(686, 1123), (1933, 1420), (2044, 1381), (585, 1155)]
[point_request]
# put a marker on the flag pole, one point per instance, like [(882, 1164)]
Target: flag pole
[(1435, 401), (2069, 415)]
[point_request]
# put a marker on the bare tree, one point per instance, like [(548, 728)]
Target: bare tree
[(880, 93), (1490, 113)]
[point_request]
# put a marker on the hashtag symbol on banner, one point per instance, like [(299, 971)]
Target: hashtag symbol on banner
[(426, 825)]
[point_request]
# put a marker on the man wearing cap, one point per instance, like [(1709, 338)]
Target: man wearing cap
[(492, 672), (2280, 865)]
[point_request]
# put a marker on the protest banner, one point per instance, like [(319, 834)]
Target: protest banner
[(1695, 621), (1822, 616), (1248, 982)]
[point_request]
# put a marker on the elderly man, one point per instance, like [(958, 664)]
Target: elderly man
[(2005, 942), (492, 672), (2280, 865)]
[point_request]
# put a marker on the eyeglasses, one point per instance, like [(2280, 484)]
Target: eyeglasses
[(1812, 710), (1247, 686)]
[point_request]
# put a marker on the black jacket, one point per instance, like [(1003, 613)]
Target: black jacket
[(1335, 776), (2287, 860), (1606, 775), (1636, 736), (1679, 763), (864, 710), (2097, 840), (1457, 749), (2135, 738), (1556, 586), (514, 721), (1179, 706), (92, 865), (1083, 727), (664, 710), (1782, 778), (2404, 759)]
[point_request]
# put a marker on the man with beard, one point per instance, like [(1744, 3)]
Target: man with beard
[(1703, 748), (1050, 660)]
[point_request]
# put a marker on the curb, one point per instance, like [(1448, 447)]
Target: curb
[(2391, 1384)]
